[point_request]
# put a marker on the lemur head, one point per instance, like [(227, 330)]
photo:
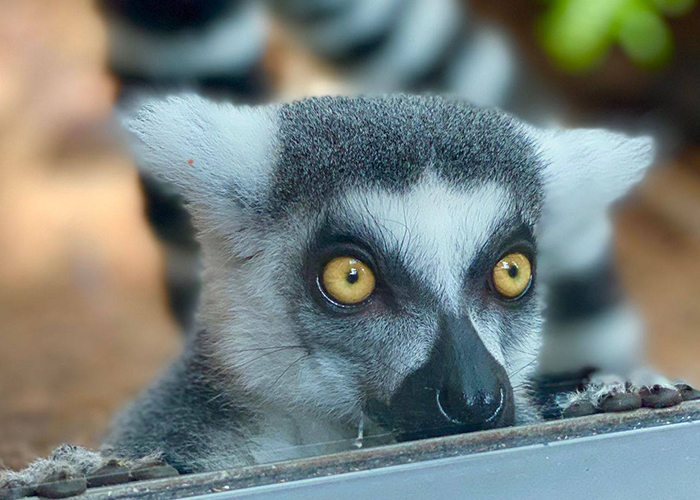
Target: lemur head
[(378, 255)]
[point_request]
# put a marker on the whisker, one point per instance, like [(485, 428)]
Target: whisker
[(253, 349), (523, 367), (261, 356), (306, 355)]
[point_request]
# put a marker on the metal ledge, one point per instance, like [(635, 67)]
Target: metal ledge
[(639, 454)]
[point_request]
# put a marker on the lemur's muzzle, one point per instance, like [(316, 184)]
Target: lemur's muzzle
[(461, 388)]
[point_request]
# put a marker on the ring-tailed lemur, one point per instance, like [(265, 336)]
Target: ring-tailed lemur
[(382, 257), (388, 45), (442, 227)]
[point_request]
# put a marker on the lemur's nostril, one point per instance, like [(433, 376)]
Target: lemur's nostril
[(499, 408), (449, 405), (479, 411)]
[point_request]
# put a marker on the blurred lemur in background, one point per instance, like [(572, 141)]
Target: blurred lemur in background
[(380, 258)]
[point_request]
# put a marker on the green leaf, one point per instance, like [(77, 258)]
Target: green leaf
[(674, 7), (578, 33), (645, 36)]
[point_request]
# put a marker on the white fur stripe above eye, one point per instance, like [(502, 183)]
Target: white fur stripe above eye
[(437, 230), (230, 45)]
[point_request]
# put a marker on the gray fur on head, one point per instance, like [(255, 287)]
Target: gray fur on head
[(432, 190)]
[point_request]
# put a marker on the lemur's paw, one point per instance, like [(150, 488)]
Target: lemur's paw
[(658, 396), (70, 469), (65, 463), (688, 393), (604, 393)]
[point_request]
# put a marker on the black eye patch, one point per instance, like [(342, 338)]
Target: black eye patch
[(511, 236), (395, 283)]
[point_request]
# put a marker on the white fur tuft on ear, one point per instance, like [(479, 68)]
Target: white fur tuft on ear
[(592, 166), (586, 171), (216, 155)]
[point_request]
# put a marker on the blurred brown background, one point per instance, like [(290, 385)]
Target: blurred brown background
[(82, 308)]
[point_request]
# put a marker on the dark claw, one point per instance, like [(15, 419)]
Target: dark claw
[(657, 396), (63, 488), (113, 472), (688, 393), (156, 471), (620, 401), (579, 409)]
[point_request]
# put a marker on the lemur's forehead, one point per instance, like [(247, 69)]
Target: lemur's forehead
[(328, 147), (435, 230)]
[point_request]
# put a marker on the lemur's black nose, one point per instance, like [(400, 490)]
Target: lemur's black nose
[(483, 400), (461, 388), (480, 410)]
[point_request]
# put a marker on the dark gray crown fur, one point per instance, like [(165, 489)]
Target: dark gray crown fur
[(331, 144)]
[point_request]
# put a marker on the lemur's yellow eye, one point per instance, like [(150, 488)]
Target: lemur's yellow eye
[(348, 280), (512, 275)]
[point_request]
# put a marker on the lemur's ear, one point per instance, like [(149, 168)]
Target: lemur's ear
[(587, 167), (586, 170), (218, 156)]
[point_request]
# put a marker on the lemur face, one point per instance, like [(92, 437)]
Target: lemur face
[(378, 256), (428, 297)]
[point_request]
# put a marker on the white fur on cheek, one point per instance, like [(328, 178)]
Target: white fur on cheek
[(249, 324)]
